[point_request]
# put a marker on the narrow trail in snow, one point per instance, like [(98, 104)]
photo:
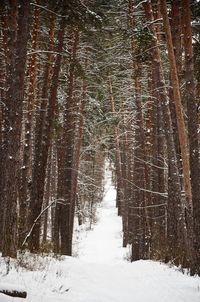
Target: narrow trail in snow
[(103, 243)]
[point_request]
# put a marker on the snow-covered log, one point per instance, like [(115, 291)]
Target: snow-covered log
[(12, 291)]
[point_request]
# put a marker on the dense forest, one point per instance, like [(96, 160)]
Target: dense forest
[(82, 81)]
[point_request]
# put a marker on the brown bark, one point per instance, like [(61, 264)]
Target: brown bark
[(126, 155), (4, 26), (78, 143), (67, 210), (158, 211), (47, 197), (16, 55), (54, 187), (42, 144), (141, 234), (192, 131), (1, 176), (26, 161), (175, 227), (60, 147), (138, 203), (178, 105), (176, 31)]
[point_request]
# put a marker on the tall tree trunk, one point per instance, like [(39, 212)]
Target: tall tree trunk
[(138, 202), (140, 178), (42, 143), (26, 161), (4, 25), (183, 139), (69, 123), (159, 201), (1, 176), (47, 198), (17, 47), (60, 147), (175, 227), (78, 144), (192, 132), (63, 228), (176, 30)]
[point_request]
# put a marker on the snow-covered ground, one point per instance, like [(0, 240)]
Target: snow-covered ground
[(103, 243), (100, 273)]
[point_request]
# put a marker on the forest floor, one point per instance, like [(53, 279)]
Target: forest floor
[(100, 271)]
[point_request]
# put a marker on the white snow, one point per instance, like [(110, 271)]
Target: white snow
[(4, 298), (100, 273), (11, 287), (103, 243)]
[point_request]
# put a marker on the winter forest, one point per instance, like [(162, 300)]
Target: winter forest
[(99, 103)]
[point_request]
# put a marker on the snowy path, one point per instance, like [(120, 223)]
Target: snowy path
[(100, 273), (103, 243)]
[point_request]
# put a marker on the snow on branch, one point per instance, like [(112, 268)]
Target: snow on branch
[(165, 195), (60, 201), (150, 206), (47, 9)]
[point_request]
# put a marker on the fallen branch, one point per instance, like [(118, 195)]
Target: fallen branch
[(14, 293)]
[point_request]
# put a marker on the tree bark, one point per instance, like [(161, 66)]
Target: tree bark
[(176, 30), (63, 220), (67, 210), (42, 144), (17, 47), (175, 227), (24, 177), (192, 131), (183, 139)]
